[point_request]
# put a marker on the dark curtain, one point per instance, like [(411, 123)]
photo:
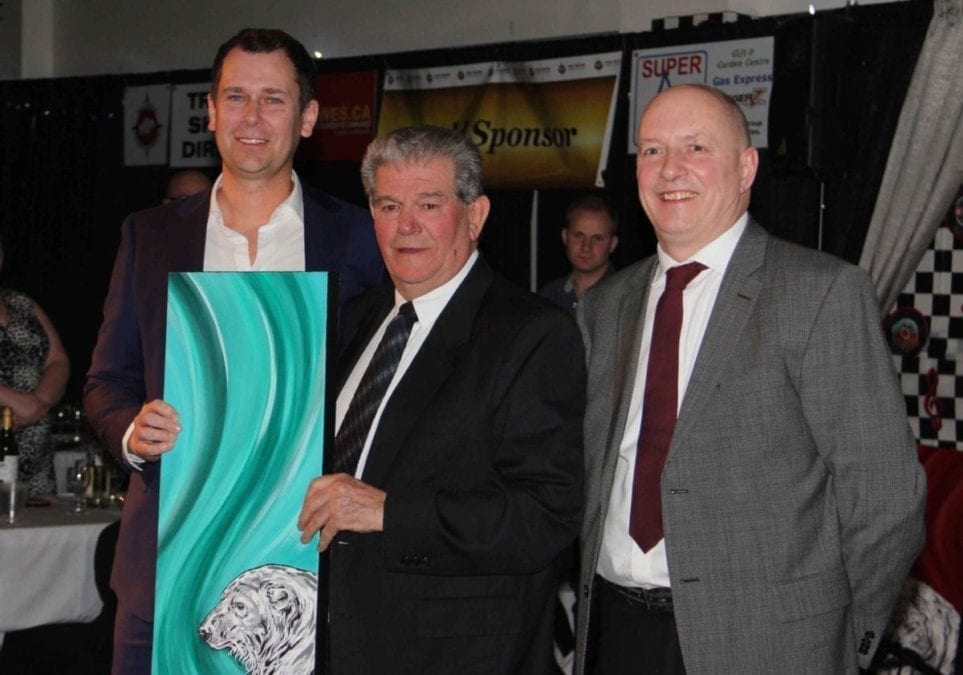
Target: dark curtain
[(61, 197)]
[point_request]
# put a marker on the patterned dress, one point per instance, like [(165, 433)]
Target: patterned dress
[(23, 351)]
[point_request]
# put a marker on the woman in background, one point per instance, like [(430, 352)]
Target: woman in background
[(33, 374)]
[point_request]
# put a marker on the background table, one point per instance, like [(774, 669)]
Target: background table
[(47, 565)]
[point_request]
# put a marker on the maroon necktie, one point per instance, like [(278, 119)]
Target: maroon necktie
[(659, 408)]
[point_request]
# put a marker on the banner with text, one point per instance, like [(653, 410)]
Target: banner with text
[(741, 68), (346, 119), (537, 124), (146, 125), (191, 143)]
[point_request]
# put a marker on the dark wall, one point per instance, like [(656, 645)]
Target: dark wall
[(840, 79)]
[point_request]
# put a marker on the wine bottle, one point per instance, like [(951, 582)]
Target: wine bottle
[(9, 462), (9, 452)]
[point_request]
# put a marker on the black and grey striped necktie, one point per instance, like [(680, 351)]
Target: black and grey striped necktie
[(361, 411)]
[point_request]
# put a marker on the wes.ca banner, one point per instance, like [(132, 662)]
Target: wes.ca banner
[(537, 124)]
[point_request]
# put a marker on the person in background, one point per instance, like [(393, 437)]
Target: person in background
[(33, 375), (258, 216), (590, 236), (185, 183), (753, 497), (456, 485)]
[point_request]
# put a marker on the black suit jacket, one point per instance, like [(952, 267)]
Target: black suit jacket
[(479, 450), (127, 366)]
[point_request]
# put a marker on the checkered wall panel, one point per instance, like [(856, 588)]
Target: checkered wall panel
[(932, 379)]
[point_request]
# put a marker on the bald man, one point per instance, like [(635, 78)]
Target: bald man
[(754, 505)]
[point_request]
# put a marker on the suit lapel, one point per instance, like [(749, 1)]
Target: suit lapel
[(626, 343), (186, 232), (628, 327), (317, 238), (734, 305), (367, 316), (430, 369)]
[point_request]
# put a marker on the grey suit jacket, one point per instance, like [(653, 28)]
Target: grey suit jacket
[(792, 497)]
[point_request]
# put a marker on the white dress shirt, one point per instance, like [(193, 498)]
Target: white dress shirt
[(280, 248), (280, 241), (621, 561), (428, 307)]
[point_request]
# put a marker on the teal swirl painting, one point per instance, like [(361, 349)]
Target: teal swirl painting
[(245, 369)]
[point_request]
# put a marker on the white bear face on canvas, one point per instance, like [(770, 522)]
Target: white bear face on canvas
[(925, 624), (266, 618)]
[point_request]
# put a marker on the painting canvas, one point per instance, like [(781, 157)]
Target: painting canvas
[(245, 369)]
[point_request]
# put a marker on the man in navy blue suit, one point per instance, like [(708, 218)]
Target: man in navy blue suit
[(257, 217)]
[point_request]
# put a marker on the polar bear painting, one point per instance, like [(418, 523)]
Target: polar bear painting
[(266, 619), (926, 625)]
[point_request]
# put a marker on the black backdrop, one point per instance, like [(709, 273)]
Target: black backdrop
[(839, 81)]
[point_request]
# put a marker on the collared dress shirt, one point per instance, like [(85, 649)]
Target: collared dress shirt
[(428, 307), (280, 248), (280, 241), (621, 561)]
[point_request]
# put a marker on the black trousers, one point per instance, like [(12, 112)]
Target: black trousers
[(630, 638)]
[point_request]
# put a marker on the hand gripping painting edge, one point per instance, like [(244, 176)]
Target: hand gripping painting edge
[(246, 370)]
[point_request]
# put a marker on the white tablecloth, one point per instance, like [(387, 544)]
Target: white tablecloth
[(47, 565)]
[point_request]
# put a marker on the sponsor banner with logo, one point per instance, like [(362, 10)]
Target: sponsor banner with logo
[(191, 143), (146, 125), (741, 68), (537, 124), (346, 117)]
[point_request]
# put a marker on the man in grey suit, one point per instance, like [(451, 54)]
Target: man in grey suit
[(791, 499)]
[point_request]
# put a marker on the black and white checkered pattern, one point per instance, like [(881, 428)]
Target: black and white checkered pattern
[(932, 381)]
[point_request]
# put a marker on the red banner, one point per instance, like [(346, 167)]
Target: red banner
[(346, 117)]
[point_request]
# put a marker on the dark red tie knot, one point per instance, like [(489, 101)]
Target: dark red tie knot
[(677, 278)]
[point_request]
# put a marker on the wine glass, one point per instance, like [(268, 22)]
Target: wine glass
[(77, 476)]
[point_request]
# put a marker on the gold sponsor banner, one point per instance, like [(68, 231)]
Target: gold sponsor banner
[(538, 124)]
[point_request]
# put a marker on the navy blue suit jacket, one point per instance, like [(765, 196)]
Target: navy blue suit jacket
[(127, 366)]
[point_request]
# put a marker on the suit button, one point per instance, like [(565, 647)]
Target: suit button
[(424, 561), (585, 591)]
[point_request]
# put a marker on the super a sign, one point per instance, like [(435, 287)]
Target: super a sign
[(691, 66), (740, 68)]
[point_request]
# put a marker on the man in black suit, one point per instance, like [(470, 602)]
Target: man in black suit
[(445, 530), (258, 216)]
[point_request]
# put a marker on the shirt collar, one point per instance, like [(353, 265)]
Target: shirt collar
[(715, 255), (293, 203), (429, 306)]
